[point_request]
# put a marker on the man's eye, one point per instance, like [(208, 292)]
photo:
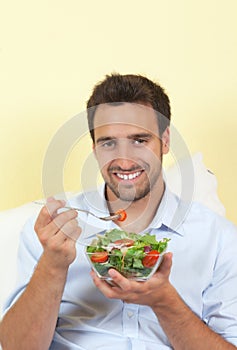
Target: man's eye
[(107, 144), (139, 141)]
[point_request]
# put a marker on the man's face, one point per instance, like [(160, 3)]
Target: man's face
[(128, 150)]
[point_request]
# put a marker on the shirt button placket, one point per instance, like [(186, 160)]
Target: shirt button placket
[(130, 320)]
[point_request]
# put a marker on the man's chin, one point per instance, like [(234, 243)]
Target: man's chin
[(128, 193), (131, 197)]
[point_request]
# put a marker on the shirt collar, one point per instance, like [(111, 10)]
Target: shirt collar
[(170, 214)]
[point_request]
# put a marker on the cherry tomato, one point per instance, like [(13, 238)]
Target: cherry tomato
[(125, 242), (150, 259), (122, 213), (99, 257)]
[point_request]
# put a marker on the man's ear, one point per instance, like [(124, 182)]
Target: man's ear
[(166, 140)]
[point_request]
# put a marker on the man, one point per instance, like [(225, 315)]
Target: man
[(189, 303)]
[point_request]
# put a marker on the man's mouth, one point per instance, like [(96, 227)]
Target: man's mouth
[(128, 176)]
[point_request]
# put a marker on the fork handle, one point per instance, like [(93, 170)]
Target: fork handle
[(82, 210)]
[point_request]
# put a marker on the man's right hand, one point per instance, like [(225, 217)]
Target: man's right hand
[(38, 306), (58, 234)]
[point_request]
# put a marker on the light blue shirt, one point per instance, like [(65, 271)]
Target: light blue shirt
[(204, 272)]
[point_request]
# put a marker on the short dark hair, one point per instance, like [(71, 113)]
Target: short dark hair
[(117, 88)]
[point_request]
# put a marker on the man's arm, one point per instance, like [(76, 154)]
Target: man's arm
[(30, 323), (183, 328)]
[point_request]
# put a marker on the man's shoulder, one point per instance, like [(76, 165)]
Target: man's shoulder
[(201, 216)]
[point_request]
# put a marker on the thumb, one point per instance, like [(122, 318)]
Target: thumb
[(166, 264)]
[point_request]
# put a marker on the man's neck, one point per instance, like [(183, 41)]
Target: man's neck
[(140, 213)]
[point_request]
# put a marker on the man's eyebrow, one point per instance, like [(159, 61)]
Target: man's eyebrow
[(144, 135), (104, 139)]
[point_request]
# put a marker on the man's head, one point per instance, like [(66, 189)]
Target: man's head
[(130, 88), (128, 117)]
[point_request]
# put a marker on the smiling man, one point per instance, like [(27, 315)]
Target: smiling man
[(129, 152), (190, 303)]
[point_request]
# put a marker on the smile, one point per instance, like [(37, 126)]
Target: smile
[(129, 176)]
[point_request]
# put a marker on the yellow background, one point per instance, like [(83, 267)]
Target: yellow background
[(53, 52)]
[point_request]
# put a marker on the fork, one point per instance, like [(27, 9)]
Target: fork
[(115, 216)]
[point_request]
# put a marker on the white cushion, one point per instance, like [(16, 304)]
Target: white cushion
[(12, 221), (205, 182)]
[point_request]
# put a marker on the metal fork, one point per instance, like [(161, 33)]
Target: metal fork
[(105, 218)]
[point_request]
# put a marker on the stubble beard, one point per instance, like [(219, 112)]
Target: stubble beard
[(133, 193), (129, 193)]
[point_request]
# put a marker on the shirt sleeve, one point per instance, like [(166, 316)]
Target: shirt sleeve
[(220, 297), (29, 252)]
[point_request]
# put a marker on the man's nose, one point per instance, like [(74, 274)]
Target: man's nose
[(124, 164), (125, 155), (124, 149)]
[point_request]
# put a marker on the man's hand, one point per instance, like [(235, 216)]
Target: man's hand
[(38, 307), (148, 293), (58, 234), (182, 327)]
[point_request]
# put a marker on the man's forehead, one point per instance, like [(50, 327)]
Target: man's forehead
[(131, 114)]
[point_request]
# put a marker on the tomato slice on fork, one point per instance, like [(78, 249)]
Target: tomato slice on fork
[(122, 214)]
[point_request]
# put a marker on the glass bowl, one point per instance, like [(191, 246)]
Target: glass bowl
[(138, 267), (135, 256)]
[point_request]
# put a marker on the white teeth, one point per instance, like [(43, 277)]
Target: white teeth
[(129, 176)]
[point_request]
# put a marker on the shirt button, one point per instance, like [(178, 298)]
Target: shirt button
[(130, 314)]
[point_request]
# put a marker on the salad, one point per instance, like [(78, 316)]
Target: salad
[(135, 256)]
